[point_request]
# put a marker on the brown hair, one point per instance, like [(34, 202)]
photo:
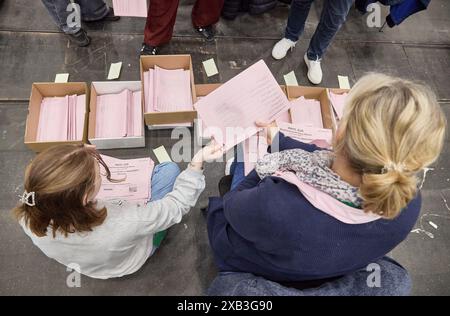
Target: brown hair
[(61, 177), (391, 129)]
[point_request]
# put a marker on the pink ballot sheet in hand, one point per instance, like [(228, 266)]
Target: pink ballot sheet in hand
[(130, 8), (306, 112), (136, 176), (306, 134), (338, 103), (255, 147), (232, 109)]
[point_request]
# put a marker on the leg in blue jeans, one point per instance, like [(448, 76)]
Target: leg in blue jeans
[(334, 13), (237, 167), (91, 10), (163, 179)]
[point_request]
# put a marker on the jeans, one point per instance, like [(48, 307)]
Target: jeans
[(163, 179), (334, 13), (394, 281), (91, 10), (237, 167)]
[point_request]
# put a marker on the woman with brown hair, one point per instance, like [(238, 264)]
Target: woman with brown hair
[(61, 215)]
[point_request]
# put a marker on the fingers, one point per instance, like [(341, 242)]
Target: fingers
[(262, 124)]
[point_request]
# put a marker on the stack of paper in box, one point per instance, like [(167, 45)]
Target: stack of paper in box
[(119, 115), (306, 122), (167, 91), (61, 118), (133, 180), (338, 103)]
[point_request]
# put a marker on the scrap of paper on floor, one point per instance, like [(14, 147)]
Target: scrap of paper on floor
[(210, 67), (114, 70), (290, 79), (343, 82), (62, 78), (161, 154)]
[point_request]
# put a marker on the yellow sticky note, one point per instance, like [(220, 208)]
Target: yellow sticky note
[(161, 154), (343, 82), (290, 79), (61, 78), (114, 70), (210, 67)]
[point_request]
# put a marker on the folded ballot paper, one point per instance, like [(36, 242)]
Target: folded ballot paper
[(136, 8), (61, 118), (132, 180), (231, 110), (119, 115), (167, 90), (338, 102)]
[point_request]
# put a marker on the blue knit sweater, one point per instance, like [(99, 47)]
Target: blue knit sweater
[(267, 227)]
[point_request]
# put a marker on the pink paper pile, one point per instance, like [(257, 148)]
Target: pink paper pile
[(306, 112), (338, 103), (167, 90), (130, 8), (119, 115), (135, 175), (61, 118)]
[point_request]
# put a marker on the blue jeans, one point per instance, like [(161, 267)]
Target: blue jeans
[(163, 179), (334, 13), (394, 281), (91, 10), (237, 167)]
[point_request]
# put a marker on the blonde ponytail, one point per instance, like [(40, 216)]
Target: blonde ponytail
[(391, 129)]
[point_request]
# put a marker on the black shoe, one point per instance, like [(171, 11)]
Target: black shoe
[(110, 17), (148, 50), (80, 38), (207, 32), (225, 184)]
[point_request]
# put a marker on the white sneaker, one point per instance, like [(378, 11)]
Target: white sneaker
[(314, 70), (281, 48)]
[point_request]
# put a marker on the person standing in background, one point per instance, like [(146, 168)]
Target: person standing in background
[(68, 15), (334, 14), (161, 20)]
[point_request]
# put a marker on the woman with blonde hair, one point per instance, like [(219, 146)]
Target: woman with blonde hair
[(59, 210), (311, 215)]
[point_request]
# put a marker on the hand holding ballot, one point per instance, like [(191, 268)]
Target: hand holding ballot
[(271, 130), (209, 153)]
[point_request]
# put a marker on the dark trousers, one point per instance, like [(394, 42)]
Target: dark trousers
[(162, 14)]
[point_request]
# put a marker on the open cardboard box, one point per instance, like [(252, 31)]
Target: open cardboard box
[(168, 62), (108, 87), (318, 93), (42, 90)]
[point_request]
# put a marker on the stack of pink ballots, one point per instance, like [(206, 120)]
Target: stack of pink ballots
[(62, 118), (133, 177), (254, 148), (167, 90), (306, 123), (119, 115), (130, 8), (338, 103)]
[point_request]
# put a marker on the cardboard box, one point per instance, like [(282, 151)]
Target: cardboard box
[(318, 93), (168, 62), (108, 87), (42, 90)]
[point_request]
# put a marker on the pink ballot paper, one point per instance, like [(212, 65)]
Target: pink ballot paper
[(130, 8), (61, 118), (232, 109), (306, 112), (255, 148), (136, 175), (338, 103), (306, 134)]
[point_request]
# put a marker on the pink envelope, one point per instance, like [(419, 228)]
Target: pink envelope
[(137, 8)]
